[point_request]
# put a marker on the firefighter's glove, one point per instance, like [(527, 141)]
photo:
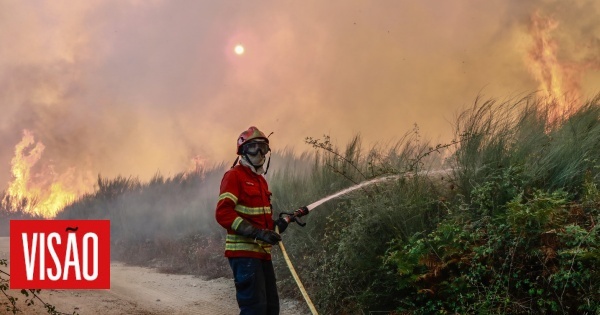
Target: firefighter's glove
[(282, 224), (268, 236)]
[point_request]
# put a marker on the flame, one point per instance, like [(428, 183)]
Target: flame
[(43, 193), (197, 163), (559, 79), (545, 66)]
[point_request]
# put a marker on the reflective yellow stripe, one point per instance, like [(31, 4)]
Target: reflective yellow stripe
[(248, 248), (228, 195), (238, 242), (252, 211), (236, 223)]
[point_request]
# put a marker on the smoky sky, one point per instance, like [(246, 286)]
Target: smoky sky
[(138, 87)]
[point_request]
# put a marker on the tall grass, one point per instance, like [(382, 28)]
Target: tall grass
[(520, 232), (520, 194), (517, 137), (377, 249), (339, 250)]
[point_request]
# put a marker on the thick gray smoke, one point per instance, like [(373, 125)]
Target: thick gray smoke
[(136, 87)]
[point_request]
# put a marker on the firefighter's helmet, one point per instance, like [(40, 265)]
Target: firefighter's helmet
[(251, 134)]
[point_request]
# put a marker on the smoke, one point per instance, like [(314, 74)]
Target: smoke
[(139, 87)]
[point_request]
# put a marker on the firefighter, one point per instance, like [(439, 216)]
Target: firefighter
[(244, 210)]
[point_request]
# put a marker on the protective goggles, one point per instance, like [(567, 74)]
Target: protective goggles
[(253, 148)]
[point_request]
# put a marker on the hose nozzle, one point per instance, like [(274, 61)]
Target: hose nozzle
[(302, 211), (295, 216)]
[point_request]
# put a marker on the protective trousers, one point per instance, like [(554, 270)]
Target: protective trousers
[(255, 285)]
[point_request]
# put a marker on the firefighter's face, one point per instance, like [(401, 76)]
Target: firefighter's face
[(256, 151)]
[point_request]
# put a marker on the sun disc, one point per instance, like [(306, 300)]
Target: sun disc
[(239, 49)]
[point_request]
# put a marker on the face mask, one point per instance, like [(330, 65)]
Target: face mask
[(257, 160)]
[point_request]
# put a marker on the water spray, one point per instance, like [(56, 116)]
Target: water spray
[(302, 211)]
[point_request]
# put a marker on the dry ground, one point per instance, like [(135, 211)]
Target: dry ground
[(138, 290)]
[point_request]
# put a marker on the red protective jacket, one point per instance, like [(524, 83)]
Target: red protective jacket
[(244, 195)]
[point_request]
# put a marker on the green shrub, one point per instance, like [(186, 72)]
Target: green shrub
[(506, 223), (521, 235)]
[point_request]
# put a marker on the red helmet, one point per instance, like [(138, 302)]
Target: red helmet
[(251, 134)]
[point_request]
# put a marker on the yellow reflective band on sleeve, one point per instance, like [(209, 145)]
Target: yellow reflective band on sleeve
[(228, 195), (236, 223), (252, 211), (238, 242)]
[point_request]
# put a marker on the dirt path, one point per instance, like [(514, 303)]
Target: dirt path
[(137, 290)]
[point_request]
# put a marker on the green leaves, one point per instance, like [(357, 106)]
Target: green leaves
[(542, 211), (30, 295), (541, 256)]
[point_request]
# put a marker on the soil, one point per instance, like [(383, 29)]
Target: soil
[(139, 290)]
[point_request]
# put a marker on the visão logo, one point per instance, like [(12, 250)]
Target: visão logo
[(60, 254)]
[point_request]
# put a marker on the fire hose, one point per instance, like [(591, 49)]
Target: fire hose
[(295, 217), (290, 217)]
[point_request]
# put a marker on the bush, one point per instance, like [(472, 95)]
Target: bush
[(505, 223), (520, 236)]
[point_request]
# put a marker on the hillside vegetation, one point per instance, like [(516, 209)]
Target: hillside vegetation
[(500, 220)]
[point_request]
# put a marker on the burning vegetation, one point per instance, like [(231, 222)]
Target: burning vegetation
[(513, 230), (559, 79), (37, 189)]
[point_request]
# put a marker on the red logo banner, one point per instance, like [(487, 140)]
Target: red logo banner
[(60, 254)]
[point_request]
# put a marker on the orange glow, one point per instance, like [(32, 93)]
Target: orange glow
[(43, 193), (559, 82), (196, 164)]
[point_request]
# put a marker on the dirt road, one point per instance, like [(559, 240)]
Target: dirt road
[(137, 290)]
